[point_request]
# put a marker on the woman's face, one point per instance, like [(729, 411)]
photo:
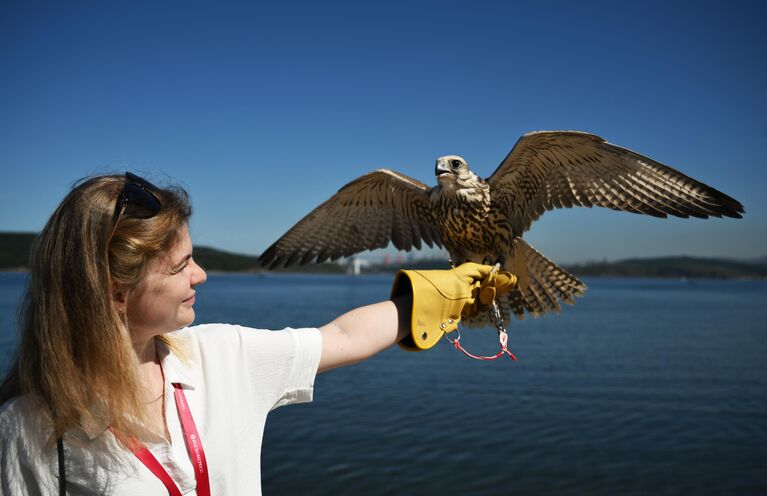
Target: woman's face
[(164, 301)]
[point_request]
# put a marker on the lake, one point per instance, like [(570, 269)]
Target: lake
[(644, 386)]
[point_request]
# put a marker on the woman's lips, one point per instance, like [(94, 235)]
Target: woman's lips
[(189, 301)]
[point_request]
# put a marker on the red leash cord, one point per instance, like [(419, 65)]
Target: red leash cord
[(503, 338)]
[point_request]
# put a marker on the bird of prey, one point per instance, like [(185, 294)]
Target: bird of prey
[(484, 220)]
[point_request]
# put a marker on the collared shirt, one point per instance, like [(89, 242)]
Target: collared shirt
[(232, 377)]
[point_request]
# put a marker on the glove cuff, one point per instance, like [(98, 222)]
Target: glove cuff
[(435, 311)]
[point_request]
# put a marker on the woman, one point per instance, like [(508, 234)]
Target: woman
[(108, 396)]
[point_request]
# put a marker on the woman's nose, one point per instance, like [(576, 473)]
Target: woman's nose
[(198, 276)]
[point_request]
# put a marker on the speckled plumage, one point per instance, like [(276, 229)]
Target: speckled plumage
[(484, 220)]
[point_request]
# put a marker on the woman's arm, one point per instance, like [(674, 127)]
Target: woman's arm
[(363, 332), (441, 298)]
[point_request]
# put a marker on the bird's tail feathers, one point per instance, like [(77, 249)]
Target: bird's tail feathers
[(541, 286), (542, 283)]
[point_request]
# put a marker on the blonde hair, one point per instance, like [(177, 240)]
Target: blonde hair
[(75, 356)]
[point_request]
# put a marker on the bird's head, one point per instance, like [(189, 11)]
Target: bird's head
[(452, 169)]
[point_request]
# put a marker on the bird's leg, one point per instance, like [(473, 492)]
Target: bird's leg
[(495, 312), (495, 268)]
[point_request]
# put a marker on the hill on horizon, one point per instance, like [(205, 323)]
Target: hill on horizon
[(15, 248)]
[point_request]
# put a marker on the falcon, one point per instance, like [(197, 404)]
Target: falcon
[(483, 220)]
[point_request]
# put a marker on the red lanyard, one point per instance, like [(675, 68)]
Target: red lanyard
[(193, 447)]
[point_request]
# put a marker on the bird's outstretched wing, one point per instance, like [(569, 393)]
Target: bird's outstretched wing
[(369, 212), (561, 169)]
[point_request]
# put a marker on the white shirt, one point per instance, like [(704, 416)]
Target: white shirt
[(233, 376)]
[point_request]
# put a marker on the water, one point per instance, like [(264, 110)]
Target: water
[(644, 386)]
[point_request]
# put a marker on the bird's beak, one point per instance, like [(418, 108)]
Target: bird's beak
[(441, 168)]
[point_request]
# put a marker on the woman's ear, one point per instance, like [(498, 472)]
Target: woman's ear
[(120, 298)]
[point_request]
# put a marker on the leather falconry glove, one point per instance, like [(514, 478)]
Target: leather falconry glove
[(441, 297)]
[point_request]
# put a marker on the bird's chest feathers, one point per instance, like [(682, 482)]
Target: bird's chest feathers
[(463, 215)]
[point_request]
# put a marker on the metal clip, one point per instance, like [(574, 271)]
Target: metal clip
[(495, 314), (453, 341)]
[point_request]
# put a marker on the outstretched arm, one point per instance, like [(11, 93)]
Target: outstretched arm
[(363, 332), (426, 304)]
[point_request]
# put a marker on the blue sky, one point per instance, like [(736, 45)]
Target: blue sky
[(235, 101)]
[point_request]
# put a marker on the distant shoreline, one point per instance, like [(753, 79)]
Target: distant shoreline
[(15, 248), (392, 272)]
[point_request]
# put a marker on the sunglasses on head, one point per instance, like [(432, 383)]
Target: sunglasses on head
[(137, 192)]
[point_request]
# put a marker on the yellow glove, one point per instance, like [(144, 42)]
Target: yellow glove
[(440, 297)]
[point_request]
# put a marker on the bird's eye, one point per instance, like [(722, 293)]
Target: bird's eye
[(455, 163)]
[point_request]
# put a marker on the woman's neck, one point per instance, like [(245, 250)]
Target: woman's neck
[(146, 351), (153, 382)]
